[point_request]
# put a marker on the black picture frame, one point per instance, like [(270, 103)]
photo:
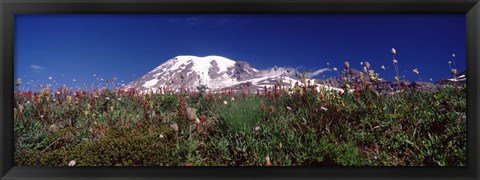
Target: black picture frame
[(11, 7)]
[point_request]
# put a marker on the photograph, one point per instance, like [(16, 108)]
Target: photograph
[(260, 90)]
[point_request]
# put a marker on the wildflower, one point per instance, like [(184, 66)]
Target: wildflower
[(323, 108), (74, 80), (202, 119), (257, 128), (20, 108), (394, 51), (383, 67), (268, 163), (197, 120), (263, 107), (416, 71), (449, 62), (347, 65), (453, 55), (107, 98), (395, 61), (119, 99), (289, 108), (42, 116), (431, 79), (189, 164), (225, 102), (161, 136), (174, 126), (347, 86), (233, 99), (271, 109), (335, 69), (50, 78), (191, 113), (72, 163)]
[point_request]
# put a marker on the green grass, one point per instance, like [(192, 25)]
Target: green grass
[(410, 128)]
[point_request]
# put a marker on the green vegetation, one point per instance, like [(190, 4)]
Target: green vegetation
[(292, 127)]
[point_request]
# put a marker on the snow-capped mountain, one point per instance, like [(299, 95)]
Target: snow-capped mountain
[(214, 71)]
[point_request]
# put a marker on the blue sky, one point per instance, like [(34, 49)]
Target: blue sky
[(67, 47)]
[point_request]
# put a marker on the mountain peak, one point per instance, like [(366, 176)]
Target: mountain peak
[(190, 71)]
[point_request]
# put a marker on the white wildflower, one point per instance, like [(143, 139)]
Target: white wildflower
[(161, 136), (383, 67), (72, 163), (395, 61), (225, 102), (453, 55), (324, 108), (335, 69), (233, 99), (394, 51), (257, 128)]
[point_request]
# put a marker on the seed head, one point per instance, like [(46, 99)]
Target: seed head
[(18, 82), (335, 69), (366, 64), (383, 67), (397, 78), (453, 71), (191, 113), (453, 55), (174, 127), (394, 51), (415, 71), (395, 61), (347, 65)]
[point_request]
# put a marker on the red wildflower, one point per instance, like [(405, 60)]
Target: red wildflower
[(211, 96), (189, 164), (271, 109), (263, 107), (357, 92), (202, 119), (139, 125)]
